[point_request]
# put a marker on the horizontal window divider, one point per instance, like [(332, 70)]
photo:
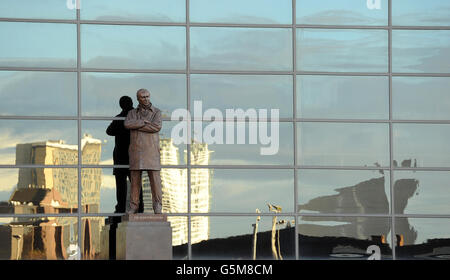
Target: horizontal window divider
[(325, 73), (136, 23), (37, 20), (237, 72), (137, 71), (377, 27), (420, 74), (36, 69), (374, 215), (240, 25)]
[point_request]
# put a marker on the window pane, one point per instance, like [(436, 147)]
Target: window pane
[(342, 50), (244, 146), (343, 191), (135, 47), (421, 145), (420, 192), (420, 51), (243, 191), (101, 92), (49, 142), (246, 92), (40, 238), (232, 238), (38, 44), (38, 190), (30, 93), (236, 11), (137, 10), (342, 12), (345, 238), (343, 144), (422, 238), (42, 9), (95, 130), (421, 98), (241, 49), (342, 97), (431, 12)]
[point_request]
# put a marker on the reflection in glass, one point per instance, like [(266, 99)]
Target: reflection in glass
[(426, 239), (49, 9), (342, 12), (135, 47), (421, 51), (241, 48), (247, 91), (421, 13), (235, 11), (38, 190), (342, 50), (342, 97), (345, 238), (137, 10), (343, 191), (30, 93), (421, 145), (40, 238), (241, 143), (102, 145), (235, 237), (101, 91), (421, 192), (38, 44), (49, 142), (343, 144), (420, 98), (242, 191)]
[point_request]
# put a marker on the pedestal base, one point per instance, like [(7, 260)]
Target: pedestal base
[(144, 237)]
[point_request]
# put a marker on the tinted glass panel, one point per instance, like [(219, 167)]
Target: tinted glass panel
[(343, 191), (43, 9), (29, 93), (343, 97), (345, 238), (230, 91), (233, 237), (135, 47), (342, 50), (219, 144), (424, 98), (421, 51), (38, 44), (241, 49), (38, 142), (421, 145), (343, 144), (43, 238), (431, 12), (343, 12), (420, 192), (38, 190), (243, 191), (235, 11), (140, 10), (99, 149), (101, 92), (425, 239)]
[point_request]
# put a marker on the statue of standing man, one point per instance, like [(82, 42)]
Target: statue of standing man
[(144, 123)]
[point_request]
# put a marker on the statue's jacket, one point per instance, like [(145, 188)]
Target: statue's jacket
[(144, 151)]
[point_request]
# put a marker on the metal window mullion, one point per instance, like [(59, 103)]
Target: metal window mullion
[(188, 145), (79, 212)]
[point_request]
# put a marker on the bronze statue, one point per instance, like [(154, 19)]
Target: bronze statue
[(144, 123)]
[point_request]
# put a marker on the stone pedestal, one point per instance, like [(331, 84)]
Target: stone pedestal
[(144, 237)]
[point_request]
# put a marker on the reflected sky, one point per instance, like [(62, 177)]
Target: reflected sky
[(342, 12), (342, 97), (236, 11), (136, 10), (101, 91), (342, 50), (135, 47), (418, 13), (425, 229), (38, 44), (48, 9)]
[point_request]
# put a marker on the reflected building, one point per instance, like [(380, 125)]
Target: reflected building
[(175, 191)]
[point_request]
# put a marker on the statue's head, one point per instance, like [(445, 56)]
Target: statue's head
[(126, 103), (143, 96)]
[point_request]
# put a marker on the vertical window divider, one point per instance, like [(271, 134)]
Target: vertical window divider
[(294, 105)]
